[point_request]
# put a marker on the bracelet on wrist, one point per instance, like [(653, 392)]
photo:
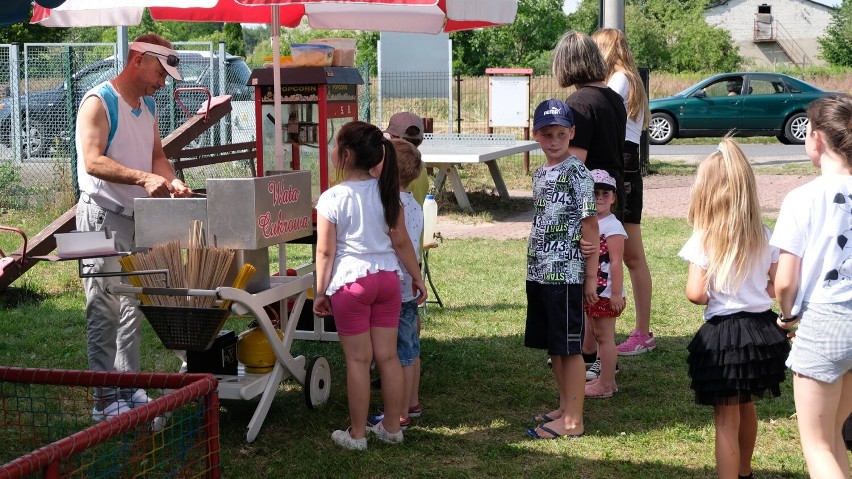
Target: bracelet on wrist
[(789, 319)]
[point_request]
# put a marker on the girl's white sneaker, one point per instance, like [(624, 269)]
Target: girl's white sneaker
[(343, 438), (383, 435)]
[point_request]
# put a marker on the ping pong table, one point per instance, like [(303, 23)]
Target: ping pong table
[(446, 151)]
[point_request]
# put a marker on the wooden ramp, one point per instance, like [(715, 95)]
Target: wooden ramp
[(16, 264)]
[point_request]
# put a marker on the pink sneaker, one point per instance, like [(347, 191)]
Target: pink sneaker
[(637, 343)]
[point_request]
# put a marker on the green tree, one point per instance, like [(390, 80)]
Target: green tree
[(147, 25), (536, 29), (365, 52), (666, 34), (836, 45), (254, 36), (24, 32), (696, 46), (234, 43)]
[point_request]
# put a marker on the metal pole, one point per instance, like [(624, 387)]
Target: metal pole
[(276, 86), (450, 85), (379, 84), (644, 145), (122, 48), (223, 132), (612, 14), (15, 96), (458, 102)]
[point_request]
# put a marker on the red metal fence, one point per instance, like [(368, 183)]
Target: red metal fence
[(47, 431)]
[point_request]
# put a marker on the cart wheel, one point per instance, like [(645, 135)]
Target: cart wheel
[(317, 381)]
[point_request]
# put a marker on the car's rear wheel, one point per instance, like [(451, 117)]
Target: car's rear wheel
[(796, 128), (661, 128), (34, 142)]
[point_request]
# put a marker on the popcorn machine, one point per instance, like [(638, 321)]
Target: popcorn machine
[(316, 102)]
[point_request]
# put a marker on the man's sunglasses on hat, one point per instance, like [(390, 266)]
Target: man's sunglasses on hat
[(171, 60)]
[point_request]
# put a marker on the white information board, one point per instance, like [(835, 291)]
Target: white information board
[(509, 101)]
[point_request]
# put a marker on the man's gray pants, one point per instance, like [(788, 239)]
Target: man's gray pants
[(113, 322)]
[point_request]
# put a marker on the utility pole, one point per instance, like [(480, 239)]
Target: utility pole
[(611, 14)]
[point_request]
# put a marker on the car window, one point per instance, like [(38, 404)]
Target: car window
[(728, 86), (95, 76), (238, 73), (763, 87), (792, 87), (192, 72)]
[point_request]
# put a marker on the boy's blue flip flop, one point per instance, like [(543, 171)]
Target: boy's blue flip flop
[(543, 418), (531, 432)]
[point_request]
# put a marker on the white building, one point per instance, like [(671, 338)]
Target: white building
[(772, 32)]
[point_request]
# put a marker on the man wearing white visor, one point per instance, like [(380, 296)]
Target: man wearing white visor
[(120, 157)]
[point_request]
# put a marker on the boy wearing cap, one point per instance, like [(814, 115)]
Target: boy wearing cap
[(121, 158), (409, 127), (409, 166), (559, 279), (600, 315)]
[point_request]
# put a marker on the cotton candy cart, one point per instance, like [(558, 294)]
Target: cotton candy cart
[(247, 215)]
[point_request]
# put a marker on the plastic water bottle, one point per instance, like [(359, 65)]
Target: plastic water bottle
[(430, 220)]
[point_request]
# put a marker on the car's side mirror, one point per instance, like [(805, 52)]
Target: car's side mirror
[(700, 93)]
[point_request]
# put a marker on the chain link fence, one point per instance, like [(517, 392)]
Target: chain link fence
[(42, 87), (40, 97)]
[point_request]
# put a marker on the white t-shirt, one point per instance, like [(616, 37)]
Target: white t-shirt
[(618, 83), (414, 224), (608, 226), (815, 224), (363, 243), (751, 296)]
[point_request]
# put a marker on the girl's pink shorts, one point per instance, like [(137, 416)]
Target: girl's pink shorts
[(371, 301)]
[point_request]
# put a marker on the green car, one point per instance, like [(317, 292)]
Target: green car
[(747, 104)]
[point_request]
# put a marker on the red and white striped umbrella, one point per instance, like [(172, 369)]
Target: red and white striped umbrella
[(414, 16), (408, 16)]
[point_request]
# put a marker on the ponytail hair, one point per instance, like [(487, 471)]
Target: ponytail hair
[(389, 184), (724, 210), (369, 147)]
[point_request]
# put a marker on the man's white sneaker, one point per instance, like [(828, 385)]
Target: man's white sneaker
[(110, 410), (139, 398)]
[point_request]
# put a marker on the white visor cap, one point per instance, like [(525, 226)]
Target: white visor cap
[(168, 58)]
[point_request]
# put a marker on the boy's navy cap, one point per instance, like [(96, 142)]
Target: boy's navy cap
[(552, 112)]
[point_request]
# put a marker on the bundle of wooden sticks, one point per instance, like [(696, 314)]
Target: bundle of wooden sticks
[(201, 267)]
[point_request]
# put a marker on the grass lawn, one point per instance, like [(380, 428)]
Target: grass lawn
[(480, 385)]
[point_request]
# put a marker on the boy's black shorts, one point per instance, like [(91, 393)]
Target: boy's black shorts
[(555, 318)]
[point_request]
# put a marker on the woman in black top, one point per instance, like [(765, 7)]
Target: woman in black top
[(599, 113)]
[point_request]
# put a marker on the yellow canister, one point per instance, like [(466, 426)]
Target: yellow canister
[(255, 352)]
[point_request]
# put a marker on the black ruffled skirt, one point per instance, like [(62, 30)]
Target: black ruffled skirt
[(736, 358)]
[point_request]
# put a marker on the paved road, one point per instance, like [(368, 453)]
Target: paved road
[(763, 154)]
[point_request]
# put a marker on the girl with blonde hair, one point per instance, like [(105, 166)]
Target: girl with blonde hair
[(738, 354), (623, 78)]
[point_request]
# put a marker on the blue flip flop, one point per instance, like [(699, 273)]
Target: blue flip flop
[(531, 432), (543, 418)]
